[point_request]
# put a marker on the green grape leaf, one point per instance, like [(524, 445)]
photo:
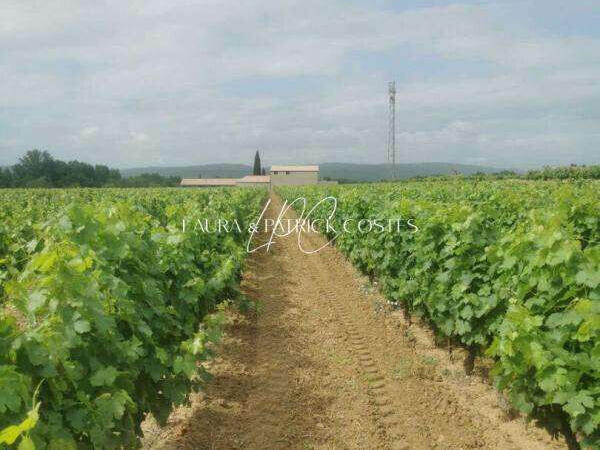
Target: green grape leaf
[(104, 377)]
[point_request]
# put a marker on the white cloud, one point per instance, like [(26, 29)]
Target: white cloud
[(89, 131), (84, 136), (139, 138), (310, 80)]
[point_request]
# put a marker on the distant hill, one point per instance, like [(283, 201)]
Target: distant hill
[(377, 172), (205, 171), (334, 171)]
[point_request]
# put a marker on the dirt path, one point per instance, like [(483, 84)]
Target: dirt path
[(327, 365)]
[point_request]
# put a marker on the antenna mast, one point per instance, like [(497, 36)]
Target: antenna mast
[(391, 150)]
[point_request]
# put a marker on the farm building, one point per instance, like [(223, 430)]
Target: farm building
[(207, 182), (280, 175), (294, 175), (254, 181), (247, 181)]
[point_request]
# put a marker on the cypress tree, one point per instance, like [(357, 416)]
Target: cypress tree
[(257, 168)]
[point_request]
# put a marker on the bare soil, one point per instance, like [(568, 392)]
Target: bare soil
[(328, 364)]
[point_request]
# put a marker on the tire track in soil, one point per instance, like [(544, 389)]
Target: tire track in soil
[(318, 368)]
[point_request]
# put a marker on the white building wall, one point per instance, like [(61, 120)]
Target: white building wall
[(293, 178), (254, 185)]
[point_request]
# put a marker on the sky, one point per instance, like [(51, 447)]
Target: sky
[(512, 84)]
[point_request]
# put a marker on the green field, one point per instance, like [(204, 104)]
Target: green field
[(107, 306), (509, 269)]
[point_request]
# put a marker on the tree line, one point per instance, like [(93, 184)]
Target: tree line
[(572, 172), (40, 169), (564, 173)]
